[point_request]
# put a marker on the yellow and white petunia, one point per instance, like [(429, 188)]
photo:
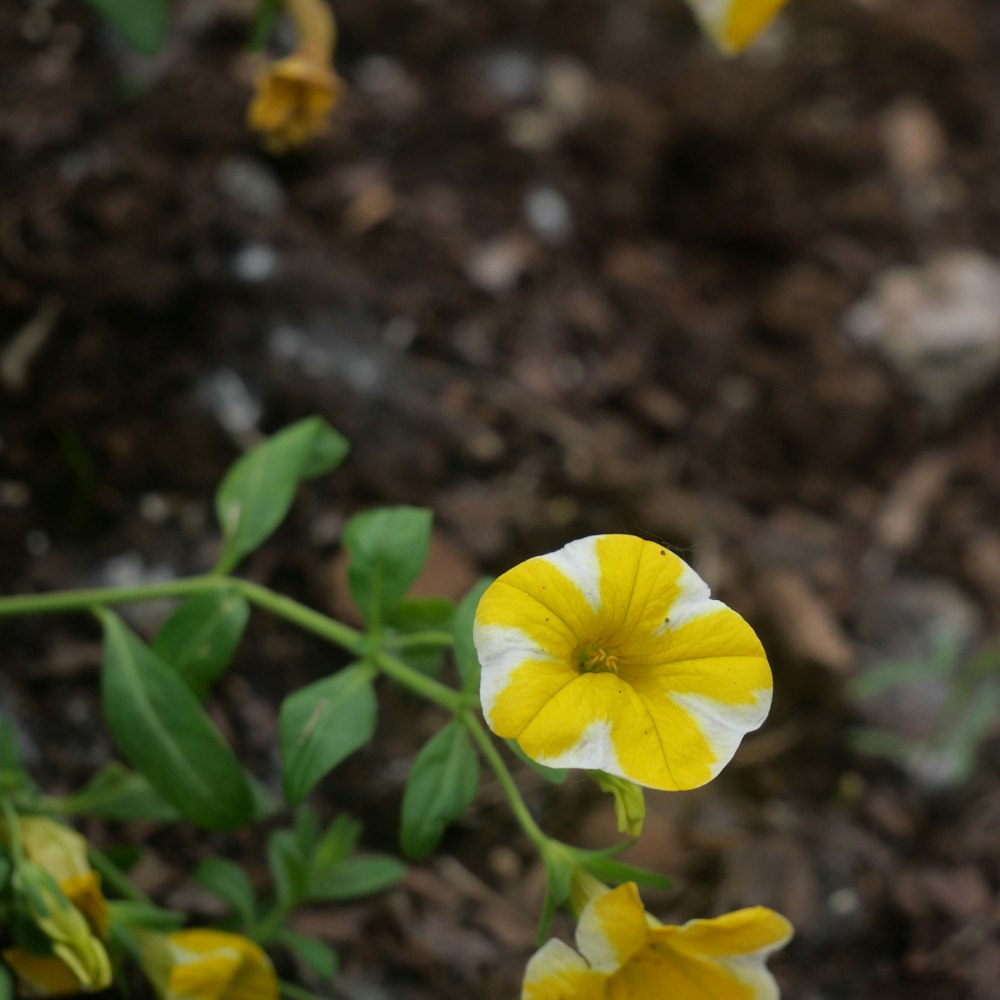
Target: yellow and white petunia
[(203, 964), (625, 954), (734, 24), (610, 655)]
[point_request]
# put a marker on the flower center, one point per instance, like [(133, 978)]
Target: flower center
[(597, 661)]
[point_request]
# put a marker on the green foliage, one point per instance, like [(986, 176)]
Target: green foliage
[(465, 651), (441, 786), (968, 713), (117, 793), (258, 490), (142, 23), (165, 734), (263, 22), (228, 881), (6, 985), (388, 550), (310, 868), (323, 723), (320, 957), (199, 639), (410, 618)]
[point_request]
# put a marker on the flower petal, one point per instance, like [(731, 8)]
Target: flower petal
[(556, 972), (41, 975), (612, 928), (733, 24)]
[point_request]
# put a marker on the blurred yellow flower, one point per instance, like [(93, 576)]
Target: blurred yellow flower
[(625, 954), (295, 95), (610, 655), (73, 919), (201, 964), (734, 24)]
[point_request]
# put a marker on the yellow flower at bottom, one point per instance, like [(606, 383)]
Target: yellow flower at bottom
[(610, 655), (199, 964), (627, 955), (294, 98), (296, 95), (734, 24)]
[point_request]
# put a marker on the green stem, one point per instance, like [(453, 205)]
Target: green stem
[(492, 756), (92, 597), (421, 639)]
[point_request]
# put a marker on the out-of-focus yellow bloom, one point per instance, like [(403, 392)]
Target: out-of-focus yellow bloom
[(201, 964), (734, 24), (73, 922), (295, 95), (625, 954), (610, 655)]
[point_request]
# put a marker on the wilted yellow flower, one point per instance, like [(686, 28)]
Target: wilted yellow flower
[(610, 655), (201, 964), (73, 920), (625, 954), (734, 24), (295, 95)]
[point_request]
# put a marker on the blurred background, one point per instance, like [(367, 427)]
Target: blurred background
[(557, 268)]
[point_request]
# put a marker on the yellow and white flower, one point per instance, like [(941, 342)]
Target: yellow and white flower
[(734, 24), (295, 95), (73, 920), (202, 964), (610, 655), (625, 954)]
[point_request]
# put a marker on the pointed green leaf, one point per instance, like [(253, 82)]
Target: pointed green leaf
[(441, 786), (259, 489), (604, 866), (142, 23), (318, 955), (198, 640), (466, 658), (357, 877), (323, 723), (337, 842), (165, 734), (117, 793), (228, 881), (289, 868), (388, 548)]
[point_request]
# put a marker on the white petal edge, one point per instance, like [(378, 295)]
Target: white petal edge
[(502, 649), (578, 562), (553, 959)]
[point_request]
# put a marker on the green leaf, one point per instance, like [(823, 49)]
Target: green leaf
[(289, 868), (5, 868), (144, 915), (259, 488), (441, 786), (603, 865), (431, 614), (321, 724), (361, 876), (466, 658), (198, 640), (336, 844), (318, 955), (117, 793), (165, 734), (555, 775), (142, 23), (263, 22), (10, 754), (228, 881), (388, 550), (6, 985)]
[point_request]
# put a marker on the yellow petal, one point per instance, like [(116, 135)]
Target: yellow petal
[(41, 975), (556, 972), (734, 24), (612, 928), (84, 892), (217, 965), (62, 852)]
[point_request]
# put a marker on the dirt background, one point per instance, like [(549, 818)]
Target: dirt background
[(556, 269)]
